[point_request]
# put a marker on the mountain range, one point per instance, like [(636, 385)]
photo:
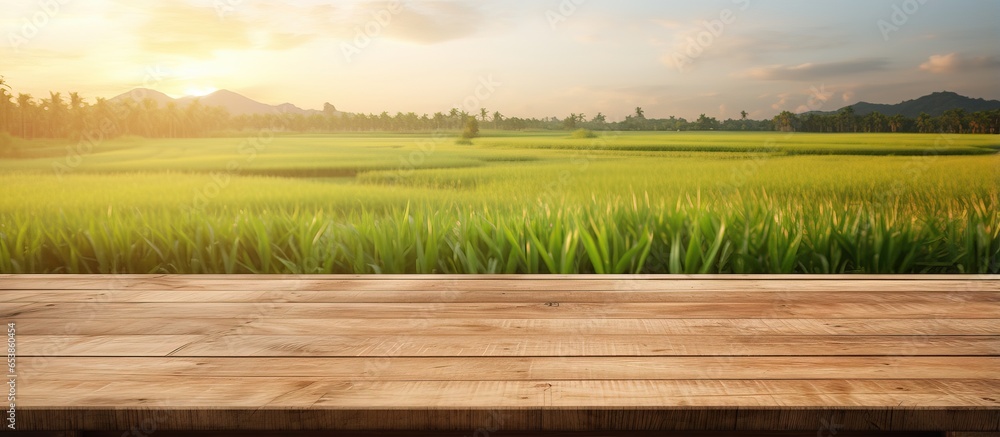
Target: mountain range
[(236, 104), (933, 104)]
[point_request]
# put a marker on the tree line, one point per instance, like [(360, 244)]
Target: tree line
[(72, 116), (956, 121)]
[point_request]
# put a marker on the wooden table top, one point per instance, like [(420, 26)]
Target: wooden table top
[(515, 353)]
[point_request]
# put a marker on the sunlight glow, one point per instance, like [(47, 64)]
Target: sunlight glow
[(199, 92)]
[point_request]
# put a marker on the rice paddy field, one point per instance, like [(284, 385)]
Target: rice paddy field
[(536, 202)]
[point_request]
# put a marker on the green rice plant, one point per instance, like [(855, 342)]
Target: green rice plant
[(518, 208)]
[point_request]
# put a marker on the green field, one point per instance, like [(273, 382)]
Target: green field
[(542, 202)]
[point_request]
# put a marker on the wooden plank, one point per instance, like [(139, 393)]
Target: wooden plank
[(102, 345), (555, 310), (631, 393), (404, 344), (493, 327), (521, 368), (592, 345), (329, 393), (193, 326), (580, 353), (480, 296), (508, 283)]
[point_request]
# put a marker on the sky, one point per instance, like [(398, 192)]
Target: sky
[(527, 58)]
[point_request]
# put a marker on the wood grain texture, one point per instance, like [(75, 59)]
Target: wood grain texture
[(510, 354), (288, 392), (498, 327), (524, 368), (407, 345), (874, 296), (549, 310)]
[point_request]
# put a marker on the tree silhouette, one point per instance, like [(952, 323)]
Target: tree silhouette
[(6, 106), (471, 128), (54, 117), (27, 109), (497, 118), (924, 124)]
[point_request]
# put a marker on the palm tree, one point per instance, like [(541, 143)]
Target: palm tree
[(194, 116), (107, 122), (785, 121), (75, 101), (570, 122), (27, 108), (743, 115), (848, 122), (497, 118), (76, 107), (6, 105), (994, 117), (954, 119), (980, 122), (218, 117), (875, 122), (148, 113), (172, 118), (483, 113), (896, 122), (453, 117), (639, 113), (924, 123), (56, 111)]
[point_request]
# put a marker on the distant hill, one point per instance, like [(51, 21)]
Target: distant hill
[(235, 103), (140, 94), (934, 104)]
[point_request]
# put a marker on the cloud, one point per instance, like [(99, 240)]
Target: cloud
[(696, 41), (813, 99), (177, 28), (434, 22), (940, 64), (763, 44), (782, 101), (812, 71)]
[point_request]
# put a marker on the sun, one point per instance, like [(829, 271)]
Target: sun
[(199, 92)]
